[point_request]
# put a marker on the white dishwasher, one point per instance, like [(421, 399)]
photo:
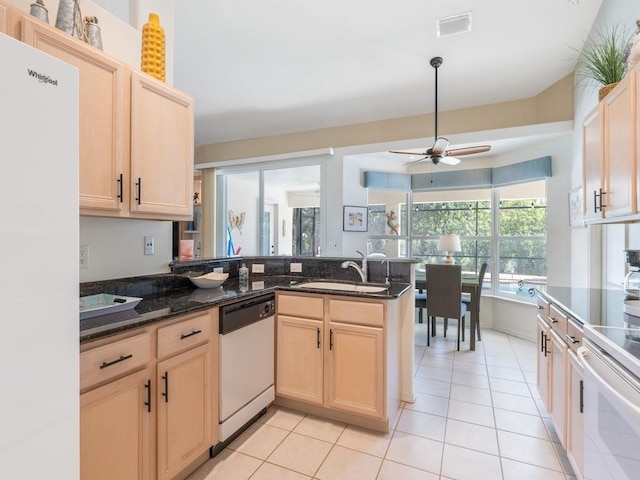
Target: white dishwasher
[(246, 361)]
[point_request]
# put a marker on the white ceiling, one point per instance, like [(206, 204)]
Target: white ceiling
[(259, 68)]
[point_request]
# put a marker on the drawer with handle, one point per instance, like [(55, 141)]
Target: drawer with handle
[(574, 335), (109, 361), (558, 321), (184, 335)]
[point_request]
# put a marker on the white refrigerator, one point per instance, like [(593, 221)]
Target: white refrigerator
[(39, 329)]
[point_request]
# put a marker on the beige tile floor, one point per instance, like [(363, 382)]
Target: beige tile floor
[(477, 415)]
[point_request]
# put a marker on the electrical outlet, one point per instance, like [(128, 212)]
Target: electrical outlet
[(84, 256), (295, 268), (257, 268), (218, 270), (149, 245)]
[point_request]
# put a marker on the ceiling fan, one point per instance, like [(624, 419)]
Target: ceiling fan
[(439, 153)]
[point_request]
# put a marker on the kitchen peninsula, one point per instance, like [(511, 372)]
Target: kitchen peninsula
[(133, 362)]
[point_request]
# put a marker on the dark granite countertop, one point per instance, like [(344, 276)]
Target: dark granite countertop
[(590, 305), (177, 296)]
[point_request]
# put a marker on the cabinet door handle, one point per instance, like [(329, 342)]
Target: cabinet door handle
[(544, 344), (165, 394), (540, 307), (541, 341), (552, 320), (148, 402), (117, 360), (318, 336), (139, 190), (572, 339), (581, 395), (595, 201), (331, 339), (195, 332), (120, 189)]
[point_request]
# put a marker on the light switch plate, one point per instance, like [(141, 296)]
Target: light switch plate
[(296, 267), (257, 268)]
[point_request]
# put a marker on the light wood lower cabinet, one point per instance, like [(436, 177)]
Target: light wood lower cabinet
[(557, 406), (154, 412), (559, 378), (543, 360), (336, 357), (116, 430), (184, 410), (575, 416), (300, 358), (355, 367)]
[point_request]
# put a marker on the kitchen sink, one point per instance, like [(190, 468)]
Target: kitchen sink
[(344, 287)]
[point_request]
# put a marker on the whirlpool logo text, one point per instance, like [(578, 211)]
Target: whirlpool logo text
[(42, 78)]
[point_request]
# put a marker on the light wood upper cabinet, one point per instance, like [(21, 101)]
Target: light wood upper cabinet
[(592, 145), (116, 430), (619, 150), (101, 111), (136, 132), (161, 148), (610, 154), (4, 18)]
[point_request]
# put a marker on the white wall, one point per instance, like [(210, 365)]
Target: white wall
[(116, 247), (243, 197)]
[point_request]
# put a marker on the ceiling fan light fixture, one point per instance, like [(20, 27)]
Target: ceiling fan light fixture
[(453, 25)]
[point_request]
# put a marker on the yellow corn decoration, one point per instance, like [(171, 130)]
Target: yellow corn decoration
[(153, 48)]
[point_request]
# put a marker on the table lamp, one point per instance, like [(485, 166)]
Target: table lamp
[(449, 243)]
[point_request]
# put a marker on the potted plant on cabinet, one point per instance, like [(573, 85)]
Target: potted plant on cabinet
[(602, 60)]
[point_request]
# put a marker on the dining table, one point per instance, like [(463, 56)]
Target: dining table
[(470, 285)]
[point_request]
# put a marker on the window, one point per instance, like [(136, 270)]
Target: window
[(388, 233), (465, 213), (522, 238), (306, 231), (503, 226)]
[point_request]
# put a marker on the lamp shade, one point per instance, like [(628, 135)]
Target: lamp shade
[(449, 243)]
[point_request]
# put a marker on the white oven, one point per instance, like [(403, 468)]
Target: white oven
[(611, 404)]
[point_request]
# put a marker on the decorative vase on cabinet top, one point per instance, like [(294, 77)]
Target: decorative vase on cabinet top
[(153, 48)]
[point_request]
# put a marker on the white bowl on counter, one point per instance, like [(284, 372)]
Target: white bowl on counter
[(209, 280)]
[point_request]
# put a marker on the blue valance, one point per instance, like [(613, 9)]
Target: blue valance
[(529, 171)]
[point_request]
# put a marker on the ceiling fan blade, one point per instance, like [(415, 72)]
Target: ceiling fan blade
[(449, 160), (417, 154), (439, 146), (469, 150), (415, 161)]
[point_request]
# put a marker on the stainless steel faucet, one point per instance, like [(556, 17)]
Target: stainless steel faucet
[(387, 280), (362, 271)]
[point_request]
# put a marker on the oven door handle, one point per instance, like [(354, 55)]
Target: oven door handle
[(611, 393)]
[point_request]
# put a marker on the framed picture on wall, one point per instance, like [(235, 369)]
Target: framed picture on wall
[(355, 219), (576, 208)]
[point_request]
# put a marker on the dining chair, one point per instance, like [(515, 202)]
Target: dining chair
[(444, 296), (420, 303), (466, 298)]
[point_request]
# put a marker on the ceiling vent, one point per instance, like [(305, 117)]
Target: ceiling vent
[(453, 25)]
